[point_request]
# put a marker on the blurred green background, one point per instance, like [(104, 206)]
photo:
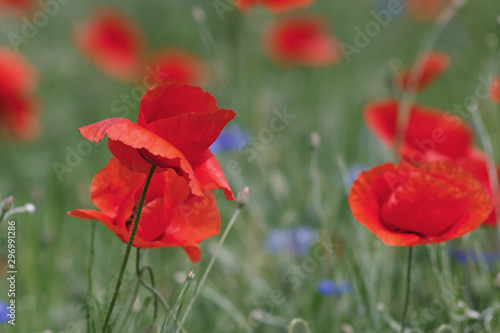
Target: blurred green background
[(53, 248)]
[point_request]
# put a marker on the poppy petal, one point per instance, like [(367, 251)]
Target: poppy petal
[(209, 174), (418, 208), (273, 5), (192, 133), (427, 69), (130, 143), (495, 89), (113, 41), (427, 130), (174, 99), (302, 40)]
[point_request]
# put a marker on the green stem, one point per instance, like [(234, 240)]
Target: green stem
[(129, 247), (90, 326), (209, 267), (407, 293)]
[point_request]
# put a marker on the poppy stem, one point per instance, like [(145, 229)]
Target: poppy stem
[(90, 324), (209, 267), (127, 251), (407, 293)]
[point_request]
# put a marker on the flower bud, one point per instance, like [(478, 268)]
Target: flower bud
[(7, 204), (242, 197)]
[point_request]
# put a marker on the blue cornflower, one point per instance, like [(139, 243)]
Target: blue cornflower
[(4, 312), (328, 287), (471, 256), (230, 139), (294, 240)]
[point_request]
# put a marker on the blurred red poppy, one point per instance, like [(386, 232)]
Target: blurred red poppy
[(113, 42), (168, 218), (178, 65), (273, 5), (21, 5), (426, 10), (428, 130), (408, 205), (476, 163), (177, 124), (302, 40), (495, 89), (425, 71), (18, 106)]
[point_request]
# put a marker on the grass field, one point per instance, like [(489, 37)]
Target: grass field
[(292, 185)]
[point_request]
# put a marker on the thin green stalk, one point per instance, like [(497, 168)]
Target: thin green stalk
[(407, 292), (209, 267), (90, 324), (131, 306), (408, 96), (129, 247), (176, 306)]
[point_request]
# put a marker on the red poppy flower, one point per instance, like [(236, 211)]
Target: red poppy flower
[(425, 71), (21, 5), (18, 107), (303, 40), (495, 89), (168, 218), (177, 124), (178, 65), (406, 205), (273, 5), (476, 163), (426, 10), (428, 130), (113, 41)]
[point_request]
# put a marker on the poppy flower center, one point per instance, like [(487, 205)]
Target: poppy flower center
[(424, 205)]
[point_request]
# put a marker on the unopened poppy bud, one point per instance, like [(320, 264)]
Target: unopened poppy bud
[(314, 140), (7, 204), (242, 197)]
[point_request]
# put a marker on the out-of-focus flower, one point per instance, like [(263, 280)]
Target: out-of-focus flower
[(177, 124), (426, 10), (273, 5), (426, 70), (20, 5), (113, 42), (405, 205), (302, 40), (4, 312), (464, 257), (495, 89), (475, 161), (294, 240), (230, 139), (327, 287), (18, 106), (428, 130), (178, 65), (169, 217)]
